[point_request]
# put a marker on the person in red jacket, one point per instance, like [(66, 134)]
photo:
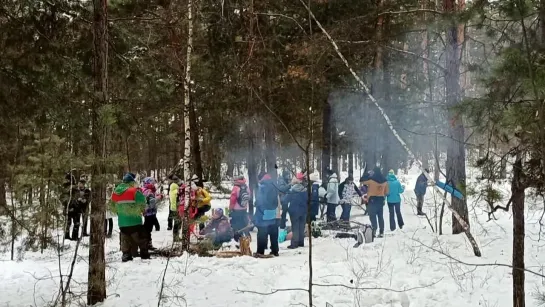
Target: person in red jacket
[(238, 206)]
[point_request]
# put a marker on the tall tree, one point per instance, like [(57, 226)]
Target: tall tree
[(96, 291), (456, 157), (187, 126)]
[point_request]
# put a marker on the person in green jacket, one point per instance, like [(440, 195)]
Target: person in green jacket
[(130, 203)]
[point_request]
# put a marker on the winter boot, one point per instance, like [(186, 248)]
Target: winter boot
[(144, 254), (67, 235), (151, 247), (126, 257)]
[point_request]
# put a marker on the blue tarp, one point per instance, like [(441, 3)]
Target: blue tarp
[(449, 189)]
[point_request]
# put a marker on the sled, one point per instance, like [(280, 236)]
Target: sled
[(245, 249)]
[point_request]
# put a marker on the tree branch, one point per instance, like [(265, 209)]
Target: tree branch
[(411, 11), (443, 69)]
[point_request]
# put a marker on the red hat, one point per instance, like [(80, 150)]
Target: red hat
[(300, 176)]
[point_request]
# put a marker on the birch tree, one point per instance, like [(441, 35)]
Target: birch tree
[(187, 126)]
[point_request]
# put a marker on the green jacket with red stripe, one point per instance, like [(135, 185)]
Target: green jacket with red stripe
[(129, 202)]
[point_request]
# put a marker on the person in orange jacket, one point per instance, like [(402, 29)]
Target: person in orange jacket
[(377, 189)]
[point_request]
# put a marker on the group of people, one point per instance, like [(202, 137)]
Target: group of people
[(374, 191), (136, 207)]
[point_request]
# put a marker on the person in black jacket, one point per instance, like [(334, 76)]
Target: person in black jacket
[(71, 210), (83, 197), (284, 187)]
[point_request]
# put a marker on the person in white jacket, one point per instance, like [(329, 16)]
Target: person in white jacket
[(332, 196)]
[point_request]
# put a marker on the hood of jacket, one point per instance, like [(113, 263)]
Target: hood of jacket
[(266, 177), (298, 187), (122, 187), (392, 177), (377, 176), (240, 182), (333, 177)]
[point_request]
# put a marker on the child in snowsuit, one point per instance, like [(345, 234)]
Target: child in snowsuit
[(150, 214)]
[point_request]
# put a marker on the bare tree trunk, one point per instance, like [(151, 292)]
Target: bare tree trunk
[(517, 191), (3, 201), (251, 164), (195, 144), (187, 126), (270, 151), (96, 288), (456, 164), (326, 140)]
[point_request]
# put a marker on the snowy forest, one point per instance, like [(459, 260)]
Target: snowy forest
[(152, 151)]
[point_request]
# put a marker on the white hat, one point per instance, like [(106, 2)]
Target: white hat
[(314, 176)]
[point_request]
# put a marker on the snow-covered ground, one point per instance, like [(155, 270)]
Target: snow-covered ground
[(410, 266)]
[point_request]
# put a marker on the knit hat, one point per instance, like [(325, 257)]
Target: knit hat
[(315, 176), (217, 213), (300, 176), (195, 178), (129, 177), (148, 180), (391, 172)]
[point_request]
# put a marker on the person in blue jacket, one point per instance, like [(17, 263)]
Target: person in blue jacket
[(297, 200), (394, 200), (267, 209)]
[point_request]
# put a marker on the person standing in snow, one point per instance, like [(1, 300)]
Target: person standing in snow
[(267, 207), (297, 200), (238, 206), (173, 189), (348, 193), (283, 188), (332, 195), (71, 209), (84, 195), (150, 214), (393, 198), (377, 191), (420, 191), (130, 202), (317, 193)]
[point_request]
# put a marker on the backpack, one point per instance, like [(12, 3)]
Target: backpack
[(243, 196)]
